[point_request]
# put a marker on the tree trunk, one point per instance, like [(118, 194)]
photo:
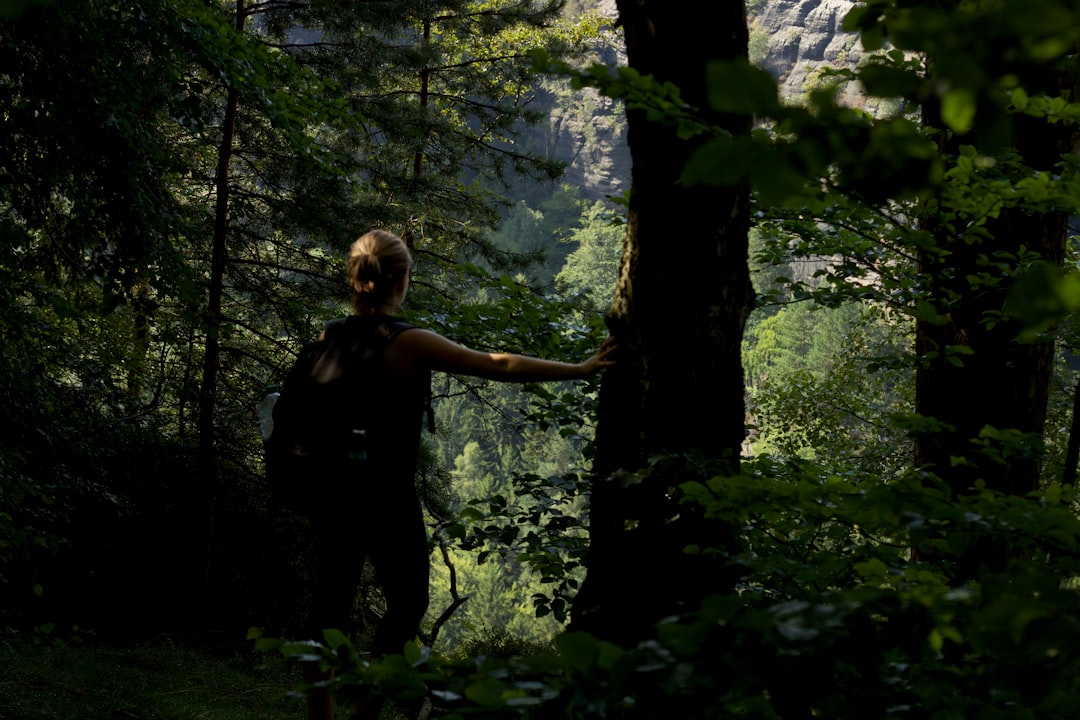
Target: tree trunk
[(990, 401), (212, 351), (1072, 451), (1002, 383), (681, 303), (998, 382), (425, 75)]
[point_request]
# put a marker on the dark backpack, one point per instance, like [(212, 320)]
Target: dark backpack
[(320, 419)]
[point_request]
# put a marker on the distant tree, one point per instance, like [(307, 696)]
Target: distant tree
[(593, 265), (825, 384), (521, 240)]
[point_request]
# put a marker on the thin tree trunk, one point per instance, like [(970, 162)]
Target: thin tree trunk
[(142, 308), (425, 75), (1072, 452), (208, 481)]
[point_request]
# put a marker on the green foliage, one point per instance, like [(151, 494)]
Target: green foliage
[(758, 44), (543, 530), (498, 643), (970, 80), (826, 383), (1043, 297), (534, 238), (834, 615), (112, 115), (832, 600), (592, 267), (937, 233), (510, 448), (951, 646)]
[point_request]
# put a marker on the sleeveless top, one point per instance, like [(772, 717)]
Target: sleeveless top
[(393, 407)]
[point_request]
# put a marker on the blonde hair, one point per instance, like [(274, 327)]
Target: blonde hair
[(377, 261)]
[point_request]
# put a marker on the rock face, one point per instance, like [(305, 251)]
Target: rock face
[(590, 135), (588, 131), (794, 39)]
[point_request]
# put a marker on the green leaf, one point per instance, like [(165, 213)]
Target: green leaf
[(578, 650), (872, 570), (873, 38), (1019, 99), (738, 87), (1042, 297), (264, 644), (776, 179), (882, 80), (487, 692), (335, 638), (723, 160), (958, 109)]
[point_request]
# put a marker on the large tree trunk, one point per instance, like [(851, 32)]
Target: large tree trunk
[(1002, 384), (680, 307), (997, 381), (989, 402)]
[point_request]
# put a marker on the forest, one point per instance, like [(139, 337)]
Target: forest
[(831, 474)]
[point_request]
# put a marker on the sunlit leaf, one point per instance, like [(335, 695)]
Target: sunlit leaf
[(958, 109)]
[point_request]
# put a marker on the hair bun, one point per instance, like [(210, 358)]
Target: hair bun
[(377, 261)]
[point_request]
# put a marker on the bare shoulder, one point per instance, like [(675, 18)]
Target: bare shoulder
[(419, 348)]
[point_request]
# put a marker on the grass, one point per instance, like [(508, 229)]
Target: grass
[(82, 681)]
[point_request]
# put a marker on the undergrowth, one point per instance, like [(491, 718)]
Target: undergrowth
[(58, 680)]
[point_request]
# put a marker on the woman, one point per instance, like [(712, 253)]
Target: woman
[(380, 518)]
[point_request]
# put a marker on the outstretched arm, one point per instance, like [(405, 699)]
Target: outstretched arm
[(422, 348)]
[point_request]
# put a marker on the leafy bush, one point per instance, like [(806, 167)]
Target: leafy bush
[(896, 600)]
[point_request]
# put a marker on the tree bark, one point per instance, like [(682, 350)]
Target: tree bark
[(999, 382), (681, 303)]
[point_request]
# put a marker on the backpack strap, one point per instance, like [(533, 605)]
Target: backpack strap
[(384, 331), (393, 328)]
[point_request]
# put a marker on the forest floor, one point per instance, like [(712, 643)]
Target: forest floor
[(159, 681)]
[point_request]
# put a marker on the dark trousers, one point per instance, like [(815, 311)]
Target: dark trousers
[(384, 525)]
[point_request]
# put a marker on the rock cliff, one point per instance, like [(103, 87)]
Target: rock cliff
[(795, 39), (792, 39), (588, 131)]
